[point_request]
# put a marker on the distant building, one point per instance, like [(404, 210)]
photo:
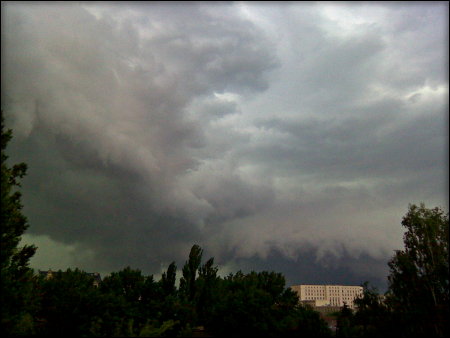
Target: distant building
[(46, 274), (97, 278), (49, 274), (328, 296)]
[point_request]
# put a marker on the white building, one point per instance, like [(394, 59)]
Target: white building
[(328, 295)]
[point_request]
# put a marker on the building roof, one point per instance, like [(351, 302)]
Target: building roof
[(48, 273), (96, 276)]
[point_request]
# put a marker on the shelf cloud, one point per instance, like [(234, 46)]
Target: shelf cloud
[(278, 135)]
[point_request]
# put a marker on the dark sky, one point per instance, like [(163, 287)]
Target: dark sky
[(288, 137)]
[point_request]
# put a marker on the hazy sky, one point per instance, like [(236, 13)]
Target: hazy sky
[(277, 136)]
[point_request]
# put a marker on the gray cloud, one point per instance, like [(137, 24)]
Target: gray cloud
[(263, 133), (111, 130)]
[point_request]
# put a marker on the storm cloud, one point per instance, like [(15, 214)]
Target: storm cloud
[(286, 137)]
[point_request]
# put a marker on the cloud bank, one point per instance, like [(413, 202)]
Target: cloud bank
[(265, 133)]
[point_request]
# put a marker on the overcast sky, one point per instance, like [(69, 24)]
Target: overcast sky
[(288, 137)]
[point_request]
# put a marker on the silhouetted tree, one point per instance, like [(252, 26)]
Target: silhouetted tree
[(258, 304), (308, 324), (187, 282), (345, 327), (206, 293), (419, 274), (70, 303), (16, 277), (168, 280), (127, 285), (372, 317)]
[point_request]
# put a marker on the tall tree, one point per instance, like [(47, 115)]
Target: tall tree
[(419, 274), (168, 280), (15, 279), (187, 282), (206, 296)]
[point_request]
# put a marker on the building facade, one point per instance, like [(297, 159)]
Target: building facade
[(328, 295)]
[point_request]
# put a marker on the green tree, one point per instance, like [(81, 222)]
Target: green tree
[(372, 318), (16, 276), (188, 305), (206, 296), (69, 303), (419, 274), (190, 268), (170, 306), (168, 280), (345, 326), (128, 286), (127, 282), (258, 304), (308, 323), (152, 297)]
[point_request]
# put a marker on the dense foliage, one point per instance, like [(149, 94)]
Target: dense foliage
[(127, 303), (419, 279), (16, 276)]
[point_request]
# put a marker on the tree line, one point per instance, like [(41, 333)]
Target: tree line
[(129, 303)]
